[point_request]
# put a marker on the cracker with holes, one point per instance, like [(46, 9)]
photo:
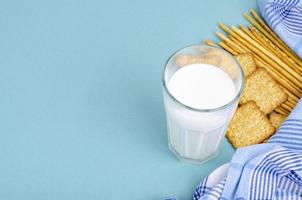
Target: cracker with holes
[(276, 119), (247, 63), (264, 90), (249, 126)]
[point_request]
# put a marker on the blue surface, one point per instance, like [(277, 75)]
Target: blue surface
[(81, 113)]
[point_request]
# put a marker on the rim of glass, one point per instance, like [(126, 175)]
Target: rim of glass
[(197, 109)]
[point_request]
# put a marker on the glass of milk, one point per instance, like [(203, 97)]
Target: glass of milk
[(201, 89)]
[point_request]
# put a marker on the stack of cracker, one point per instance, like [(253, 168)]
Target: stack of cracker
[(255, 120)]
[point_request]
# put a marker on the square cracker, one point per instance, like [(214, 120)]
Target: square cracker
[(276, 119), (249, 126), (264, 90), (247, 63)]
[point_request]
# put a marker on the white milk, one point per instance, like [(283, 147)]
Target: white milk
[(192, 134), (202, 86)]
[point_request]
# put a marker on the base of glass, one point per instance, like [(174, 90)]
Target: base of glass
[(191, 160)]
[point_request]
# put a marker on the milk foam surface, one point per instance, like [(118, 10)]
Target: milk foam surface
[(202, 86)]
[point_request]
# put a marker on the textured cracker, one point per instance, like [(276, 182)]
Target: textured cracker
[(183, 60), (264, 90), (247, 63), (249, 126), (214, 56), (276, 119)]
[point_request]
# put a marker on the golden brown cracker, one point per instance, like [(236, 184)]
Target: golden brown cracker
[(212, 56), (264, 90), (186, 59), (249, 126), (276, 119), (247, 63)]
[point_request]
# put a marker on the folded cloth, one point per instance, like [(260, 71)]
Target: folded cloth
[(285, 18), (263, 171)]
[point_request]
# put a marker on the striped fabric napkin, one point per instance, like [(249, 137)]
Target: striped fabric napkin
[(285, 18), (263, 171)]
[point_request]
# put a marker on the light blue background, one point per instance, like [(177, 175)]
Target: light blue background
[(81, 113)]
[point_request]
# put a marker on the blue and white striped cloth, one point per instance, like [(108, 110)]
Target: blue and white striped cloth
[(285, 18), (263, 171)]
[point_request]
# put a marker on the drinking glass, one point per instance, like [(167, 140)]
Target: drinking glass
[(195, 134)]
